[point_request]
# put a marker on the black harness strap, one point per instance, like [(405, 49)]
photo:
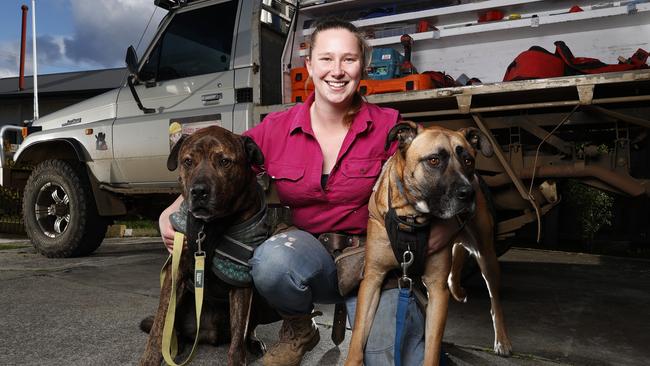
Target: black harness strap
[(405, 233)]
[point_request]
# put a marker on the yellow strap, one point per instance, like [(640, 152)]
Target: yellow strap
[(169, 342)]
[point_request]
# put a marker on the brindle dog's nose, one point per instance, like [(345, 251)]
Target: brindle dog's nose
[(199, 192), (465, 193)]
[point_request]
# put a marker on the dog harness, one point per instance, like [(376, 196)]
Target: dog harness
[(406, 233), (409, 240), (236, 246)]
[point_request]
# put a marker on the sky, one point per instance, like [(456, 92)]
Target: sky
[(74, 35)]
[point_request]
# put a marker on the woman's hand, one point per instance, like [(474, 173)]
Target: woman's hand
[(166, 229)]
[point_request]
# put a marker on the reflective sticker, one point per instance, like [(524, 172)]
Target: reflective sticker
[(100, 143), (189, 125), (198, 279)]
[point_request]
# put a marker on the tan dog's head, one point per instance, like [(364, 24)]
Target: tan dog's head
[(215, 170), (436, 167)]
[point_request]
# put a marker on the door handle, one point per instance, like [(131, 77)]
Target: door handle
[(209, 98)]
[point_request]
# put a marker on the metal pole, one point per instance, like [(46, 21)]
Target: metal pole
[(21, 79), (34, 60)]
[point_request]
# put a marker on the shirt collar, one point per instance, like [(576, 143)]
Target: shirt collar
[(303, 118)]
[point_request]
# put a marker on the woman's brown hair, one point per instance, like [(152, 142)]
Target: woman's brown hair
[(366, 51)]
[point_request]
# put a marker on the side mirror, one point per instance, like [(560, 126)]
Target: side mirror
[(131, 60)]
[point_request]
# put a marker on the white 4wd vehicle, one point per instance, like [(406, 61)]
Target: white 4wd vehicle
[(101, 157)]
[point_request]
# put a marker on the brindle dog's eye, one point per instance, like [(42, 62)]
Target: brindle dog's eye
[(225, 162), (188, 162), (469, 162), (434, 161)]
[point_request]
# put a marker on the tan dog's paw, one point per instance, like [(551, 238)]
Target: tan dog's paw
[(503, 348), (349, 362)]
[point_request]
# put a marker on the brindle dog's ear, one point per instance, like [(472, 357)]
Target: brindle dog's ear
[(172, 160), (477, 139), (404, 132), (253, 152)]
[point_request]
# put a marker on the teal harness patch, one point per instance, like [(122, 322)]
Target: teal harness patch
[(231, 272)]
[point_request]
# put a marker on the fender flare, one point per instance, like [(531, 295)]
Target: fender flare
[(32, 151)]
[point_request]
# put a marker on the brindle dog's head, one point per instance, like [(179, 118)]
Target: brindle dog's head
[(215, 171), (436, 166)]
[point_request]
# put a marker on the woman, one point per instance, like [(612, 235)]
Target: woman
[(324, 157)]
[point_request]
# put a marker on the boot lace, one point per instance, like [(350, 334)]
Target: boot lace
[(299, 325)]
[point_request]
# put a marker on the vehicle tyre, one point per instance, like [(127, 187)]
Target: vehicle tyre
[(59, 211)]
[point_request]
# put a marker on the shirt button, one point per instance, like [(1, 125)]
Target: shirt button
[(363, 170)]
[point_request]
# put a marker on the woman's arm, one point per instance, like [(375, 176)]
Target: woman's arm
[(166, 230)]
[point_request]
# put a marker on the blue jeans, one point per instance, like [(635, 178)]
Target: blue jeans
[(293, 271)]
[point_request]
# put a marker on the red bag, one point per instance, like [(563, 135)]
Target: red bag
[(587, 65), (536, 63), (440, 79)]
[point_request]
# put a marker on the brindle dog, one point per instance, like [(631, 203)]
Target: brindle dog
[(431, 178), (220, 190)]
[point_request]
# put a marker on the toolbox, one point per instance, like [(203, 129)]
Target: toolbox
[(406, 83), (385, 64)]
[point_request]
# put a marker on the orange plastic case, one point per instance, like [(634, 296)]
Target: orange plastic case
[(299, 76), (406, 83), (299, 96)]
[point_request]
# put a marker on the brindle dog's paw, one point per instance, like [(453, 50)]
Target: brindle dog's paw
[(146, 324), (503, 349), (255, 347)]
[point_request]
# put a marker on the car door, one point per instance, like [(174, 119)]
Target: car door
[(187, 78)]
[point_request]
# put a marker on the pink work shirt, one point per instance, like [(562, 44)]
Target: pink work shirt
[(293, 159)]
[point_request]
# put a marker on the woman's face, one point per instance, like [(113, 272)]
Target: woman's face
[(335, 66)]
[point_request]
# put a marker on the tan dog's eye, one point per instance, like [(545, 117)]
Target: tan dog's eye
[(187, 162), (469, 162), (434, 161), (225, 162)]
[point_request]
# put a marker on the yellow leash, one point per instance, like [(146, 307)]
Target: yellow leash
[(169, 341)]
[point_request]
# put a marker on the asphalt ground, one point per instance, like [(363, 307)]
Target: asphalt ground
[(560, 308)]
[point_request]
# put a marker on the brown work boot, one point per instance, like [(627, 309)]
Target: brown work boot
[(298, 335)]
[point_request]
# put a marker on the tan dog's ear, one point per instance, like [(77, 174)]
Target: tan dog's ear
[(404, 132), (477, 139), (172, 160)]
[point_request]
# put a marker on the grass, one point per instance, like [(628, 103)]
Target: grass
[(138, 224), (9, 246)]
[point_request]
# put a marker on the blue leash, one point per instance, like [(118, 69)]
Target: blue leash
[(402, 307), (405, 285)]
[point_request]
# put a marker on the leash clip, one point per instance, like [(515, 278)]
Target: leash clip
[(199, 240), (405, 281)]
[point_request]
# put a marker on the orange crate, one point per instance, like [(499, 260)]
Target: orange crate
[(299, 95), (299, 76), (406, 83)]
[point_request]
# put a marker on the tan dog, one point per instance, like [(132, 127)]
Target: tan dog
[(431, 179)]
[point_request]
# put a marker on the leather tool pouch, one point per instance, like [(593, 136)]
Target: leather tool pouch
[(349, 269), (349, 257)]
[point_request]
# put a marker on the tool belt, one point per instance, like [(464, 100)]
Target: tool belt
[(348, 252)]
